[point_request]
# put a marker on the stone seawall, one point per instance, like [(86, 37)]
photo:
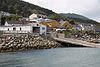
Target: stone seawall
[(20, 42)]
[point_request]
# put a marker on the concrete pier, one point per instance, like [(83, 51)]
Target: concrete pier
[(76, 42)]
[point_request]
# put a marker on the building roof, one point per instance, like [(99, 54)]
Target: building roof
[(32, 22), (52, 24)]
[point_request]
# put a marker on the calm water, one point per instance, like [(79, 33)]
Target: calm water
[(60, 57)]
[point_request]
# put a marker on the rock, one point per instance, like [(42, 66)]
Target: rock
[(25, 41)]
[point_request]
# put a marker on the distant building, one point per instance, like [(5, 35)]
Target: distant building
[(97, 28), (83, 26), (88, 27), (2, 13), (77, 27)]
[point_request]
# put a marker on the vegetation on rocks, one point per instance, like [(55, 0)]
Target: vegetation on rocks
[(83, 35)]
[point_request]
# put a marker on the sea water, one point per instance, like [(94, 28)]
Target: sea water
[(59, 57)]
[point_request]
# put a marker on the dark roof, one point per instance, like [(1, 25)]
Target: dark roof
[(17, 22), (32, 22)]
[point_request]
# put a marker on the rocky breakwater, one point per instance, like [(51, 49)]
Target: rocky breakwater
[(86, 36), (91, 37), (20, 42)]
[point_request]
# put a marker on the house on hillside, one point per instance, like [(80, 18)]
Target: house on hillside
[(76, 27), (52, 25), (56, 25), (97, 28), (65, 25), (2, 13), (23, 27), (88, 27), (83, 26), (37, 17)]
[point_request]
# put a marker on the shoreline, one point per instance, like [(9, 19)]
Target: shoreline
[(22, 42)]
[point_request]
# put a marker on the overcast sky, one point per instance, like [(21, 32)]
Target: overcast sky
[(88, 8)]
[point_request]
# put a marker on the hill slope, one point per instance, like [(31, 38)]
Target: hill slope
[(72, 15), (22, 8), (25, 9), (78, 18)]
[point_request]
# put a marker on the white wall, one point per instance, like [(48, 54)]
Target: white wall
[(37, 17), (43, 29), (33, 16), (24, 29)]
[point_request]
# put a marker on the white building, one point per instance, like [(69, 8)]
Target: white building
[(23, 27), (37, 17), (83, 26)]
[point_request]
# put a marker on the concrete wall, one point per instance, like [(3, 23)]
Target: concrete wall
[(24, 28), (43, 29), (60, 35), (16, 29)]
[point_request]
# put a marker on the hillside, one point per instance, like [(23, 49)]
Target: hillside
[(72, 15), (78, 18), (22, 8)]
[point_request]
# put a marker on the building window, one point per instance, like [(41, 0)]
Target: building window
[(8, 29), (14, 29), (37, 24), (20, 28), (43, 28)]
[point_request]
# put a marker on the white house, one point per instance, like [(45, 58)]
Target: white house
[(16, 29), (37, 17), (84, 27), (23, 27)]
